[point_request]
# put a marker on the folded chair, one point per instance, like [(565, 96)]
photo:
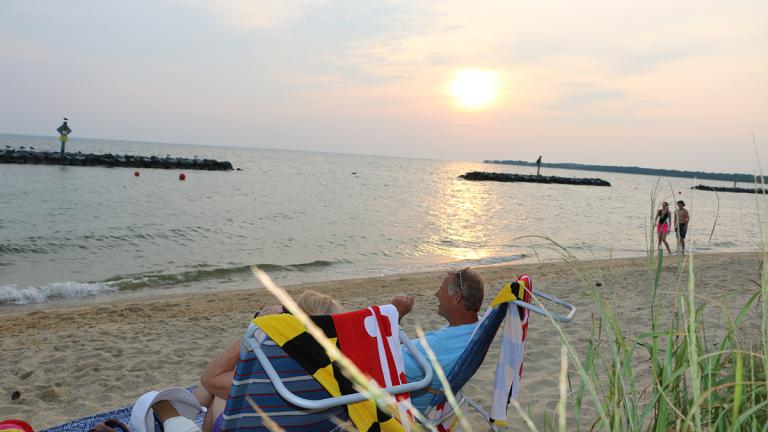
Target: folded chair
[(283, 390)]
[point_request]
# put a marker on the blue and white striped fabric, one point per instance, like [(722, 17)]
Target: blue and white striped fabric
[(474, 353), (251, 380), (86, 423)]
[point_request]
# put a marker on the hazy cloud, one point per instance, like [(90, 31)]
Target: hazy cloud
[(261, 14)]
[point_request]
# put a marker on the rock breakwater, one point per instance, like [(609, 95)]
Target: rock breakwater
[(505, 177), (729, 189), (22, 156)]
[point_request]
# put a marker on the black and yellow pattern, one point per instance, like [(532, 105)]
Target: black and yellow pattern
[(291, 335), (510, 292)]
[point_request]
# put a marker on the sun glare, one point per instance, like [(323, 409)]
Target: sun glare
[(475, 89)]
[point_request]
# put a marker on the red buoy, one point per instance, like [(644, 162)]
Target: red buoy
[(136, 173), (182, 176)]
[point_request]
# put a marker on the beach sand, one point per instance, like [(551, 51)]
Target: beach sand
[(69, 362)]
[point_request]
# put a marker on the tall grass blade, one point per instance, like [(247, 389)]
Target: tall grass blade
[(561, 409), (739, 387)]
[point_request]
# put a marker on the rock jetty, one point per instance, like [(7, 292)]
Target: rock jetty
[(23, 156), (729, 189), (505, 177)]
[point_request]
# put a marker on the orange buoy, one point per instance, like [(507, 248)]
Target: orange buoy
[(182, 176), (136, 173)]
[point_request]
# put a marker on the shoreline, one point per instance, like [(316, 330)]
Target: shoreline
[(201, 287), (70, 361)]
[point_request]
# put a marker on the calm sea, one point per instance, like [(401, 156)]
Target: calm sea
[(80, 232)]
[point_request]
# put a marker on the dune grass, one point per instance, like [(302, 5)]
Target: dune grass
[(697, 381)]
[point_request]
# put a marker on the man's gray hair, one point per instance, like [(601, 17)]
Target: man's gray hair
[(471, 286)]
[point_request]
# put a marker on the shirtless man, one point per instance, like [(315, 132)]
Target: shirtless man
[(681, 224)]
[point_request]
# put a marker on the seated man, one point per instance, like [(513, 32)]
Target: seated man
[(459, 299)]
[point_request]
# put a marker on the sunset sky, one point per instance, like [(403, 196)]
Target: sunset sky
[(680, 84)]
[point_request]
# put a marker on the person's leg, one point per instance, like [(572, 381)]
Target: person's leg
[(214, 410), (663, 238), (217, 377), (202, 395), (171, 419), (683, 233)]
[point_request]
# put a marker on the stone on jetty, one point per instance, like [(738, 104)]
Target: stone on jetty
[(505, 177), (728, 189), (110, 160)]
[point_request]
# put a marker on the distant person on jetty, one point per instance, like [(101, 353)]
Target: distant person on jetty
[(63, 131), (538, 166), (662, 225), (681, 224)]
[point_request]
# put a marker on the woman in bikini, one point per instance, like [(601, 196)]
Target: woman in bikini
[(662, 225)]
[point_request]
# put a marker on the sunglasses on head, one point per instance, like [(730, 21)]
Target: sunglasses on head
[(461, 279)]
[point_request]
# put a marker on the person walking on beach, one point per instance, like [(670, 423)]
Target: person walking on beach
[(662, 225), (538, 166), (681, 224), (63, 131)]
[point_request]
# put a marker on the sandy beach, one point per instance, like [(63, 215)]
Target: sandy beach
[(61, 363)]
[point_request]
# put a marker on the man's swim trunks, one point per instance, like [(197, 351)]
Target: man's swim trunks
[(682, 230)]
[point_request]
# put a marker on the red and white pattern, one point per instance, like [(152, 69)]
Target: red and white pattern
[(370, 338)]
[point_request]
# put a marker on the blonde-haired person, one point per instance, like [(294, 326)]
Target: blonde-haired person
[(217, 377), (315, 303)]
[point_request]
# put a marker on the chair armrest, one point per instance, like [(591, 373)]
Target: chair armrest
[(564, 319), (320, 404)]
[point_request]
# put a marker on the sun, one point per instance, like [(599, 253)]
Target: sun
[(474, 89)]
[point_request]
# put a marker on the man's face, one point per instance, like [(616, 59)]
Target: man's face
[(445, 301)]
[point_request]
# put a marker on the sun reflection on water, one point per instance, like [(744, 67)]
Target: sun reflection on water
[(458, 213)]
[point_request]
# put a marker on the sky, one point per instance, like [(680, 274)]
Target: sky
[(677, 85)]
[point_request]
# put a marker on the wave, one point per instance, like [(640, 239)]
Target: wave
[(144, 280), (494, 260), (115, 238), (12, 294)]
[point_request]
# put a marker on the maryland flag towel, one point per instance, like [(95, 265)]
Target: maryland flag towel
[(509, 369), (369, 337)]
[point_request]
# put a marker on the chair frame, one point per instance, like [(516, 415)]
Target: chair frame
[(254, 345)]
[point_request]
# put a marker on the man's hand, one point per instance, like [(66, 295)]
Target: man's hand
[(403, 303)]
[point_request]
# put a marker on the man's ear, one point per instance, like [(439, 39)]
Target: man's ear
[(457, 298)]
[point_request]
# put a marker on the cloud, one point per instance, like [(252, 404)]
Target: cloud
[(262, 14)]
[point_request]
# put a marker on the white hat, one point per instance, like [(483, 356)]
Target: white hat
[(142, 418)]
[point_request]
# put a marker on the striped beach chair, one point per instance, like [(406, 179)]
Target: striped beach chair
[(269, 382)]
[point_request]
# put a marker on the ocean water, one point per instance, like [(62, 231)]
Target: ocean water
[(73, 233)]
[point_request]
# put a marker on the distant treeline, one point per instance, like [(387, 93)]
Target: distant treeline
[(747, 178)]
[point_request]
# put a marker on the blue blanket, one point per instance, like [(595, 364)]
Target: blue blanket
[(86, 423)]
